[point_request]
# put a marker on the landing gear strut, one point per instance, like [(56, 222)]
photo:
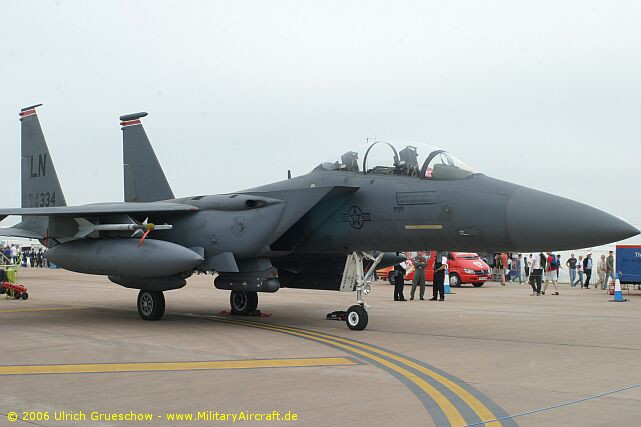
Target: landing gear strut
[(243, 303), (354, 279), (151, 304)]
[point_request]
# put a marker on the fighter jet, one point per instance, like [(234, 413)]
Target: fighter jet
[(313, 231)]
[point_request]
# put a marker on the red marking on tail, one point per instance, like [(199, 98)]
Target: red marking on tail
[(27, 113)]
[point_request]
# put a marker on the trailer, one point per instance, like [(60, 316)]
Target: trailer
[(628, 264), (14, 290), (9, 285)]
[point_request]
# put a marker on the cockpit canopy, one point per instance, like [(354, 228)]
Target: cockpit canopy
[(401, 158)]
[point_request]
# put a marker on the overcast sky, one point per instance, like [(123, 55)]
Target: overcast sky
[(544, 94)]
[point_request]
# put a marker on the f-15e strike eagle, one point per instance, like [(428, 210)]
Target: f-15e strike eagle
[(311, 231)]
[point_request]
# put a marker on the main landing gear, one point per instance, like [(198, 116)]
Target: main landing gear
[(355, 279), (151, 304), (243, 303)]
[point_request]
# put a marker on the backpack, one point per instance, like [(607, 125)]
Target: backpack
[(551, 262), (557, 262)]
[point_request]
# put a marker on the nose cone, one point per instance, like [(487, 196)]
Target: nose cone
[(542, 221)]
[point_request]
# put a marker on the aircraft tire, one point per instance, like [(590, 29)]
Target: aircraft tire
[(478, 284), (25, 296), (151, 304), (242, 303), (455, 280), (357, 318)]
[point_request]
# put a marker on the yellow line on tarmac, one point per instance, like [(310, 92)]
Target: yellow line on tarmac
[(28, 310), (453, 415), (481, 410), (93, 368)]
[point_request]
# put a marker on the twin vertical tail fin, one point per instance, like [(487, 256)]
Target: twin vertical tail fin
[(40, 185), (39, 180), (145, 180)]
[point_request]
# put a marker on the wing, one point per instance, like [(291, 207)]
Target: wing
[(76, 221), (101, 209)]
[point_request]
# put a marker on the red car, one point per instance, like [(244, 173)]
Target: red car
[(464, 267)]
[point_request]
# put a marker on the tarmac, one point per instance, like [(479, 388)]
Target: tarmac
[(77, 348)]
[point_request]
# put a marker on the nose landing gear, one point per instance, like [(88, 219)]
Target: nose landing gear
[(354, 279)]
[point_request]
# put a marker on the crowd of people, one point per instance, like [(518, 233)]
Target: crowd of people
[(539, 270), (543, 269), (26, 256)]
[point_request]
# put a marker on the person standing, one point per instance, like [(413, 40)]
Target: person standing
[(439, 280), (536, 274), (551, 273), (579, 270), (399, 282), (527, 262), (609, 272), (558, 266), (501, 264), (419, 277), (571, 265), (14, 254), (587, 269), (601, 269), (516, 268)]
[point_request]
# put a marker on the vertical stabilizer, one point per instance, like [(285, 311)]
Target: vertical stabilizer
[(40, 185), (144, 180)]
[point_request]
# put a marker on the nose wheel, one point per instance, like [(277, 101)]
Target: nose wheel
[(356, 318)]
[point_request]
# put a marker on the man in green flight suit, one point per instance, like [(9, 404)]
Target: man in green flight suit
[(419, 277)]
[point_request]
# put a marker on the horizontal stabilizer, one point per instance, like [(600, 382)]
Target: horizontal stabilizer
[(19, 232)]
